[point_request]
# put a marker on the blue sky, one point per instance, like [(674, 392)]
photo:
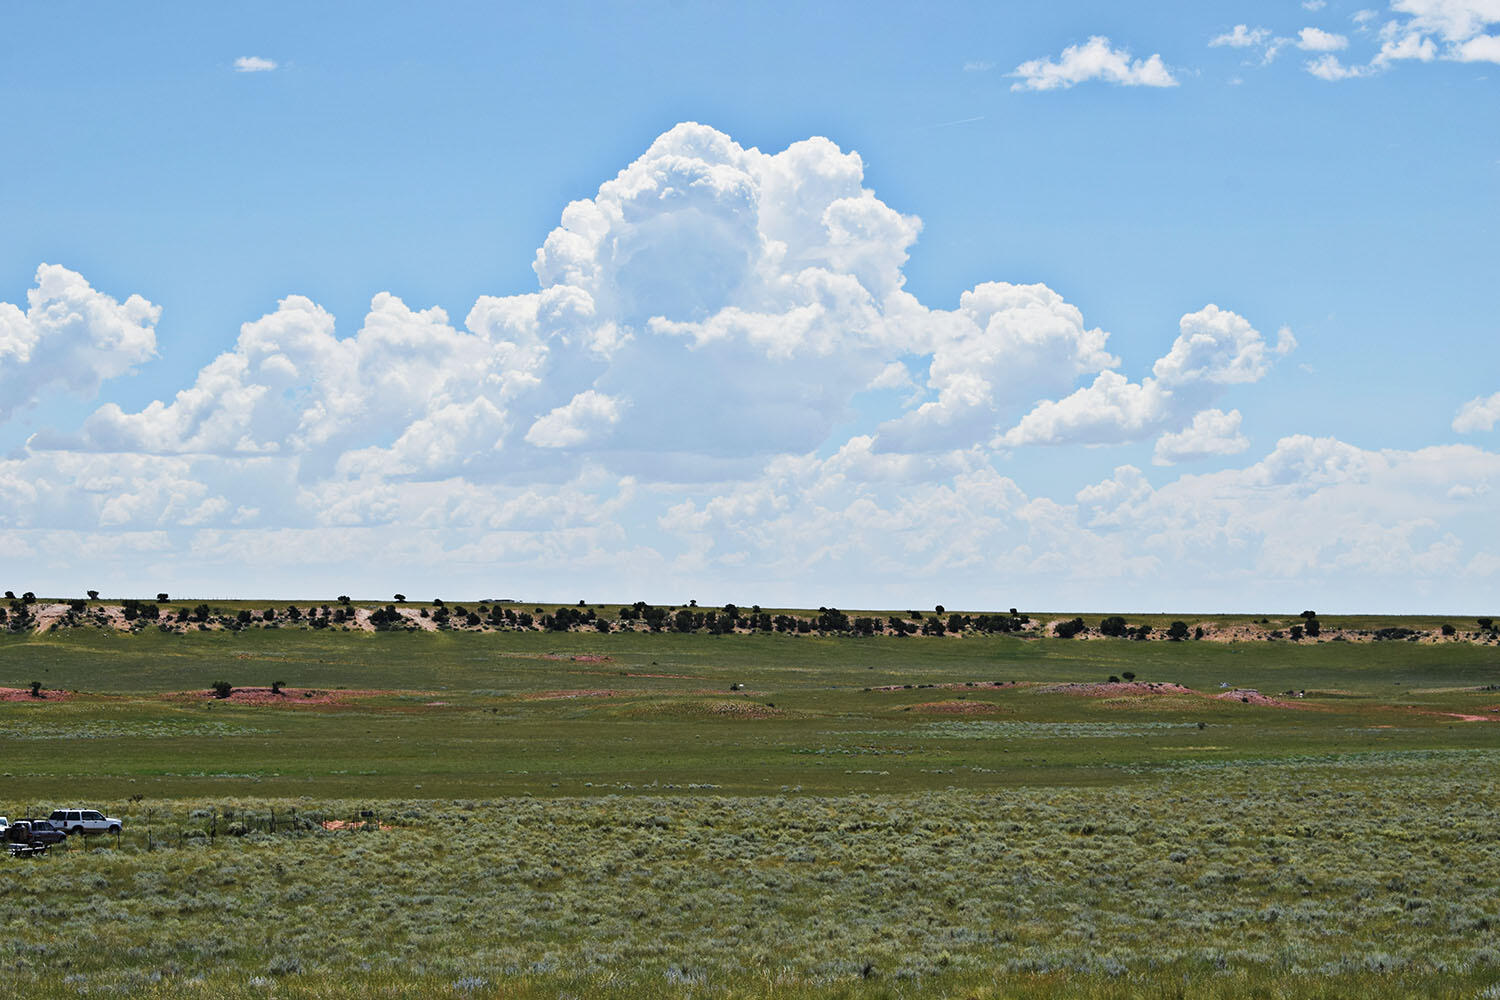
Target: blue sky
[(1327, 170)]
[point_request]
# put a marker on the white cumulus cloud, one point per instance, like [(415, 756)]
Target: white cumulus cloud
[(1241, 37), (1461, 27), (254, 64), (587, 416), (720, 382), (1331, 68), (1212, 432), (1318, 40), (70, 337), (1093, 60), (1214, 349), (1479, 414)]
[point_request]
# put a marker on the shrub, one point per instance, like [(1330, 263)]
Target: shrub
[(223, 689), (1068, 629), (284, 965)]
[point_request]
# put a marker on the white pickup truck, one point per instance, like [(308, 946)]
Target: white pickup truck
[(76, 821)]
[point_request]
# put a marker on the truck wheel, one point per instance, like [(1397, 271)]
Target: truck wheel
[(114, 828), (76, 831)]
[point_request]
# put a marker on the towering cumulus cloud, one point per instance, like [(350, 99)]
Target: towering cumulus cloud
[(721, 382), (69, 337)]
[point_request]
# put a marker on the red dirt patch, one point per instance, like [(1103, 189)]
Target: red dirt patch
[(957, 708), (352, 824), (1463, 717), (24, 694), (581, 658), (1250, 696)]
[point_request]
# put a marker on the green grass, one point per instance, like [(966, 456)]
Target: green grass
[(662, 834)]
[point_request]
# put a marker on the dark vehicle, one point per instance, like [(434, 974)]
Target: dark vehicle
[(43, 831), (28, 837)]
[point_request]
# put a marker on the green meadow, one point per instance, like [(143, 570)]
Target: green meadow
[(574, 813)]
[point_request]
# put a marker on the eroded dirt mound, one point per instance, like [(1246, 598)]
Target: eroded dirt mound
[(1119, 689), (288, 697), (24, 694), (1250, 696)]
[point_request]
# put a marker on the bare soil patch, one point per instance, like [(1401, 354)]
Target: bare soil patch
[(24, 694), (1250, 696), (354, 824)]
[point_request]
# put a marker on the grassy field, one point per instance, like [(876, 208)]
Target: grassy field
[(753, 815)]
